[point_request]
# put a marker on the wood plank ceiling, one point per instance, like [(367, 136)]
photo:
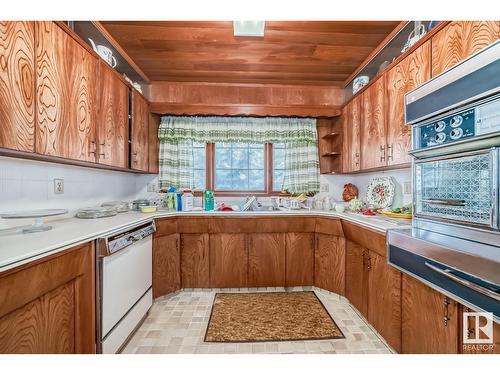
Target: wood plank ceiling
[(298, 53)]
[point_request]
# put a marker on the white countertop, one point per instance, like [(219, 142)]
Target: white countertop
[(17, 248)]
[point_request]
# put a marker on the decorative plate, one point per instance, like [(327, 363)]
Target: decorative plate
[(380, 192)]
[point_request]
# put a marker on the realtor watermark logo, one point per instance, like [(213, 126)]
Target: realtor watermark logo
[(477, 331)]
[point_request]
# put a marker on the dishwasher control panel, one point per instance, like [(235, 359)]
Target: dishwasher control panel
[(122, 239)]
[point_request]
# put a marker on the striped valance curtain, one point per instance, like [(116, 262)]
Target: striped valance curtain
[(178, 134)]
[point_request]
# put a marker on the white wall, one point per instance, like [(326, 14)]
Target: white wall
[(336, 184)]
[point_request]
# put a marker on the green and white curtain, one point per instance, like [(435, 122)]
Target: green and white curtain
[(177, 135)]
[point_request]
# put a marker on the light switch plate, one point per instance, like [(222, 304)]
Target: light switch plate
[(151, 188), (324, 188), (407, 187), (58, 186)]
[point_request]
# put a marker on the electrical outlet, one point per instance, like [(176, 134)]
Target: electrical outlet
[(324, 188), (407, 187), (151, 188), (58, 186)]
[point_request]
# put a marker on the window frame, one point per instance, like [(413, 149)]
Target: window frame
[(268, 174)]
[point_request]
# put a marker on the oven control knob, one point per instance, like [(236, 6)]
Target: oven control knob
[(456, 121), (440, 137), (456, 133), (440, 125)]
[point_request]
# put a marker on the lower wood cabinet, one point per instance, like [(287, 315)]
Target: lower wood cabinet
[(166, 265), (266, 259), (48, 306), (228, 260), (329, 263), (429, 320), (356, 279), (299, 259), (384, 299), (195, 262)]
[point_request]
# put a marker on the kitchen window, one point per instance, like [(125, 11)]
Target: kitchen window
[(239, 168)]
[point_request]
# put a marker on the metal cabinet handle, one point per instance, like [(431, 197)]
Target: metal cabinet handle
[(391, 154), (93, 142), (478, 288), (369, 263), (382, 153), (445, 202), (446, 302)]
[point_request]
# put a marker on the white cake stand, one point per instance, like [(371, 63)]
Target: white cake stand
[(38, 224)]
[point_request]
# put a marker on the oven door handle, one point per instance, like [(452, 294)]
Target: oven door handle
[(478, 288), (446, 202)]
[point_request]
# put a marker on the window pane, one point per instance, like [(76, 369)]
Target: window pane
[(279, 158), (278, 166), (239, 167), (199, 158), (199, 179), (278, 177), (199, 165)]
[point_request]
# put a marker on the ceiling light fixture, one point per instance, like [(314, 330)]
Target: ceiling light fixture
[(249, 28)]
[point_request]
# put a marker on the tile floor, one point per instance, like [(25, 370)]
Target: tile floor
[(176, 324)]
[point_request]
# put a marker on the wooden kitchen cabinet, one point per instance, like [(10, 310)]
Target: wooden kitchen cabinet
[(429, 320), (65, 95), (384, 299), (166, 265), (112, 118), (266, 259), (329, 263), (195, 262), (373, 143), (48, 306), (17, 85), (460, 39), (154, 143), (228, 260), (139, 151), (411, 72), (351, 148), (299, 259), (356, 280)]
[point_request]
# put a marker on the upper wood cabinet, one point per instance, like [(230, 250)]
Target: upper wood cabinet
[(139, 156), (351, 151), (195, 262), (266, 259), (228, 260), (65, 95), (412, 71), (48, 306), (373, 142), (299, 259), (154, 143), (329, 263), (429, 320), (112, 122), (459, 40), (17, 85), (166, 264)]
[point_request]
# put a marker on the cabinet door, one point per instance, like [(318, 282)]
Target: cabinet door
[(166, 265), (65, 95), (373, 153), (329, 263), (154, 143), (48, 306), (266, 259), (355, 278), (384, 299), (429, 320), (113, 118), (472, 334), (459, 40), (195, 262), (409, 73), (299, 259), (17, 85), (228, 260), (351, 139), (140, 133)]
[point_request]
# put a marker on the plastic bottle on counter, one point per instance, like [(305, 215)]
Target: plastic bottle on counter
[(178, 201), (187, 200)]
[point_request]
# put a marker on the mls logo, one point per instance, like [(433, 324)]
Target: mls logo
[(481, 325)]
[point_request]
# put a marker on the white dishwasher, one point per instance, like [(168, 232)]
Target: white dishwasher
[(124, 294)]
